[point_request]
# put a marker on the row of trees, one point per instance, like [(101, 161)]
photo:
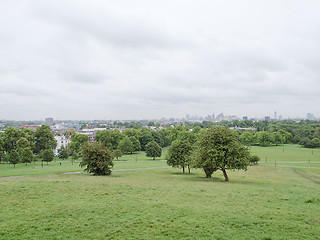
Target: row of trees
[(22, 145)]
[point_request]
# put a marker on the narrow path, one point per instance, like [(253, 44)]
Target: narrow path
[(313, 178)]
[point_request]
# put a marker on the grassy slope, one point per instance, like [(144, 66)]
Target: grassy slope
[(262, 203)]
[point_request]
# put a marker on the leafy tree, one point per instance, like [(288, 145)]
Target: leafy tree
[(26, 155), (44, 139), (117, 153), (63, 152), (12, 157), (145, 138), (191, 137), (179, 154), (29, 135), (264, 138), (23, 143), (254, 159), (10, 139), (75, 156), (77, 140), (247, 137), (110, 138), (317, 133), (125, 145), (278, 138), (97, 159), (47, 155), (157, 137), (218, 149), (136, 143), (1, 147), (153, 150)]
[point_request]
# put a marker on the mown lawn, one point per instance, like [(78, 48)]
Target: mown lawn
[(261, 203)]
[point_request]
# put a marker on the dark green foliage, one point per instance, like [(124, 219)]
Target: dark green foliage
[(10, 139), (153, 150), (145, 138), (219, 149), (47, 155), (63, 152), (110, 139), (125, 145), (77, 140), (26, 155), (179, 154), (44, 139), (97, 159), (136, 143), (12, 157)]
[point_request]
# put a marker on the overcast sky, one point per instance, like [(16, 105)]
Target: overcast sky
[(125, 59)]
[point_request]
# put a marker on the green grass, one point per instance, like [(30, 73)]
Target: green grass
[(135, 160), (286, 153), (261, 203), (265, 202)]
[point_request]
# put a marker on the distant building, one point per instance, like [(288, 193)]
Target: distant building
[(61, 141), (245, 118), (310, 116), (267, 118), (49, 121)]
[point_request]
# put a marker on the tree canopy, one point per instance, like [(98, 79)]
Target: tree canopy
[(179, 154), (153, 150), (219, 149), (97, 159)]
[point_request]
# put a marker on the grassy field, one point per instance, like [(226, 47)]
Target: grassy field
[(288, 155), (264, 202)]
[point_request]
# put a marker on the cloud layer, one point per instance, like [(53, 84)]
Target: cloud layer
[(147, 59)]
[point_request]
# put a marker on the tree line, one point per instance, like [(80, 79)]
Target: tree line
[(24, 146)]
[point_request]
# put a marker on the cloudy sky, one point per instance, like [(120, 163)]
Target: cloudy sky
[(125, 59)]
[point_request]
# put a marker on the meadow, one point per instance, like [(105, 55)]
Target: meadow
[(264, 202)]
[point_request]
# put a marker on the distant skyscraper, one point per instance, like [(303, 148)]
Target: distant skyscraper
[(275, 115), (49, 121), (310, 116)]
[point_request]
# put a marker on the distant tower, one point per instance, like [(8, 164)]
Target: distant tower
[(275, 115), (49, 121)]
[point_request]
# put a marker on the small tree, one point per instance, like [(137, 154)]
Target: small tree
[(63, 152), (26, 155), (153, 150), (179, 154), (47, 155), (97, 159), (12, 157), (254, 160), (125, 145), (117, 153)]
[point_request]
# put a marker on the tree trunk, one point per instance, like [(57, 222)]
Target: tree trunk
[(225, 175), (183, 169), (189, 169), (208, 172)]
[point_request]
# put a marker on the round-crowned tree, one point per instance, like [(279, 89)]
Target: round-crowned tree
[(97, 159), (219, 149), (153, 150)]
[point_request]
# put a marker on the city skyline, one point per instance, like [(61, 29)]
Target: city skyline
[(148, 60)]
